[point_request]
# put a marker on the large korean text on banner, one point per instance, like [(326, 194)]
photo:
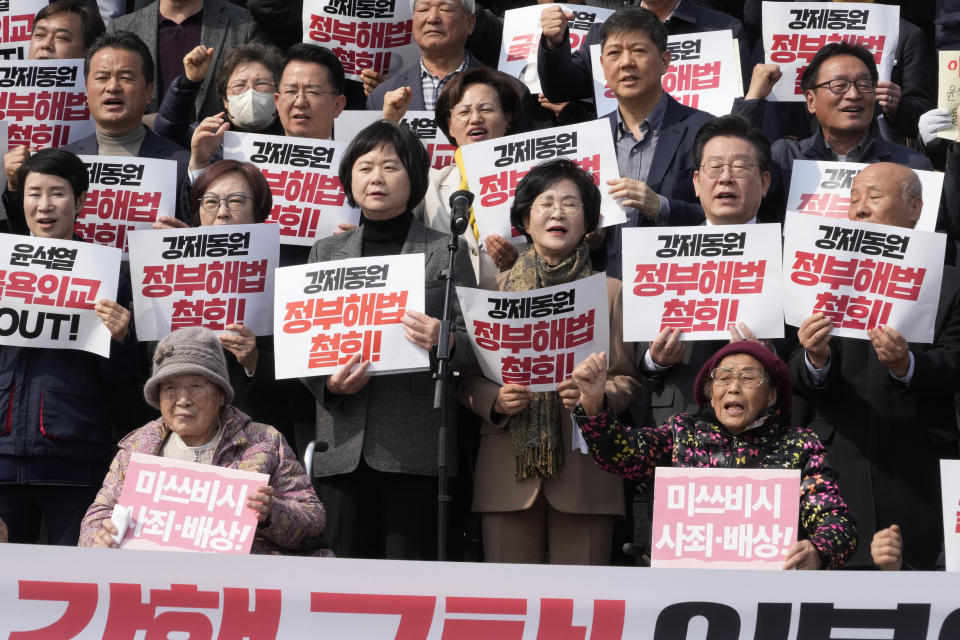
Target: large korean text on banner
[(422, 123), (724, 518), (187, 506), (308, 199), (701, 280), (822, 188), (16, 27), (793, 32), (364, 34), (521, 38), (950, 495), (126, 194), (44, 102), (495, 167), (325, 312), (862, 275), (204, 277), (48, 289), (536, 338)]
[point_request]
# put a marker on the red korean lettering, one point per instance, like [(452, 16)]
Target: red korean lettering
[(81, 599), (416, 612), (556, 620), (482, 629)]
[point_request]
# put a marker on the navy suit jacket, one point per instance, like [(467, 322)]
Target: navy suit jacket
[(671, 175)]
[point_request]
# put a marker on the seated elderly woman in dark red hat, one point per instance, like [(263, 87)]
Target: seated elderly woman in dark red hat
[(744, 392), (191, 388)]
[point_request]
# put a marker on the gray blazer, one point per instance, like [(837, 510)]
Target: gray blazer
[(225, 25), (391, 420)]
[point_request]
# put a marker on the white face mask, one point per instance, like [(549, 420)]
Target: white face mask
[(252, 109)]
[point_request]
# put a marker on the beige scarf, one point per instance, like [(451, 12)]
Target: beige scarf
[(535, 432)]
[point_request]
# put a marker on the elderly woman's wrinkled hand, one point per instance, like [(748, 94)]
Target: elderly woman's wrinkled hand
[(242, 344), (104, 537), (590, 377), (569, 394), (511, 399), (803, 555), (115, 317), (886, 548), (261, 502)]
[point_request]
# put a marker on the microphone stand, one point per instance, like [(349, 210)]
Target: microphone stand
[(458, 225)]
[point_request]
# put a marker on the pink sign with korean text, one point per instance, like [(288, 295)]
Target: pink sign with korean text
[(724, 518), (185, 506)]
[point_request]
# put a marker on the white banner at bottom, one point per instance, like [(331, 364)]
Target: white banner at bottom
[(57, 592)]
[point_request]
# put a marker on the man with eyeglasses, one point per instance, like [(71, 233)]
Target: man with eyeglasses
[(839, 86), (310, 94), (173, 28), (884, 408)]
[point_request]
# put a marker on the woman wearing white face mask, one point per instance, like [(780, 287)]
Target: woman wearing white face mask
[(246, 81)]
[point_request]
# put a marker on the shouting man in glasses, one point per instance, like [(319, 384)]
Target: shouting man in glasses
[(839, 85)]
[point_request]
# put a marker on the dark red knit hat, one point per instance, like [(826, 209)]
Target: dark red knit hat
[(776, 369)]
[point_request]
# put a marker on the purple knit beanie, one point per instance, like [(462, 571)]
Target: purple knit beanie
[(776, 369)]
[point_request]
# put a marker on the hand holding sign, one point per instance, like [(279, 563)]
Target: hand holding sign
[(636, 194), (169, 222), (667, 350), (422, 330), (590, 377), (553, 23), (242, 343), (511, 399), (888, 97), (569, 393), (207, 138), (892, 350), (115, 317), (803, 555), (501, 250), (371, 80), (261, 502), (814, 336), (105, 536), (347, 380)]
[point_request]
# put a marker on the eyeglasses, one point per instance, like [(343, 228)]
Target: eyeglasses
[(749, 378), (310, 93), (713, 170), (569, 208), (840, 87), (235, 202), (485, 109), (263, 85)]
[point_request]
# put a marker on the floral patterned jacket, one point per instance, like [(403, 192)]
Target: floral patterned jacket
[(698, 441), (296, 514)]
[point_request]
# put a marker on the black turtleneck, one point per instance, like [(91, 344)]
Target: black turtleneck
[(384, 237)]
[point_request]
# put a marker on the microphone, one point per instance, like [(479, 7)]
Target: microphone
[(460, 202)]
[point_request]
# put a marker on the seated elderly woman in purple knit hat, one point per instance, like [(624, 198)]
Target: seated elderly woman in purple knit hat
[(191, 387), (744, 392)]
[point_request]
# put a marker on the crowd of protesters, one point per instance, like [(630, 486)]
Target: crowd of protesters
[(864, 420)]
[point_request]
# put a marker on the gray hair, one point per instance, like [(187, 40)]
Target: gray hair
[(469, 6), (911, 188)]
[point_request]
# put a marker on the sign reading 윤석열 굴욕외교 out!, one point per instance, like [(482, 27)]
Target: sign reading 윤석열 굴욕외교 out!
[(536, 338), (724, 518), (363, 34), (44, 102), (862, 275), (495, 167), (48, 289), (209, 277), (793, 32), (125, 194), (822, 188), (325, 312), (701, 280), (308, 199), (422, 123), (174, 505), (704, 73)]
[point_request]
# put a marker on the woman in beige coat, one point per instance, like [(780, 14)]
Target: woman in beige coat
[(533, 490)]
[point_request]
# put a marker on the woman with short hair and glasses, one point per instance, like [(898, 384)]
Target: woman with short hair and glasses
[(744, 393), (532, 488)]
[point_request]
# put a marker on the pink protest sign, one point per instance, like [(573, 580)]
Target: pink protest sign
[(184, 506), (724, 518)]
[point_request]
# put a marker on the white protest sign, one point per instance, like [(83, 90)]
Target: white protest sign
[(536, 338), (324, 312), (950, 495), (822, 188), (862, 275), (203, 277), (363, 34), (701, 280), (724, 518), (704, 73), (349, 123), (126, 194), (495, 167), (521, 38), (44, 102), (793, 32), (16, 27), (48, 289), (308, 199), (948, 89)]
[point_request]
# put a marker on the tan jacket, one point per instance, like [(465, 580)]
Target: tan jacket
[(581, 488)]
